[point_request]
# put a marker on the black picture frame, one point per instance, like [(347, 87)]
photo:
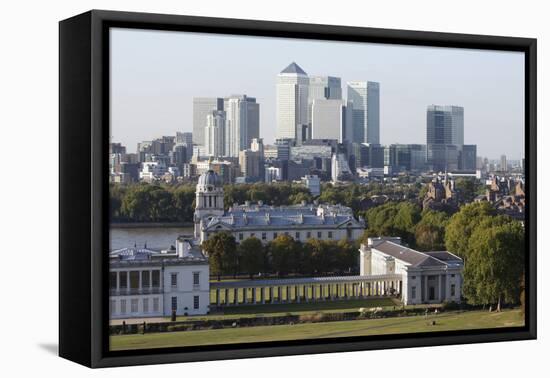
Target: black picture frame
[(83, 196)]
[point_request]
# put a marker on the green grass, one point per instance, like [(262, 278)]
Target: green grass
[(444, 322), (294, 309)]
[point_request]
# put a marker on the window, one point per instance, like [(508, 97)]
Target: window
[(145, 304), (112, 280), (413, 292), (134, 279), (252, 235), (174, 279), (319, 234), (330, 234), (123, 276), (413, 277), (145, 278), (452, 276), (196, 302), (155, 278), (453, 290), (241, 237), (174, 303), (264, 235), (123, 306), (297, 235), (196, 278), (274, 235), (308, 235), (113, 307), (134, 305), (156, 304)]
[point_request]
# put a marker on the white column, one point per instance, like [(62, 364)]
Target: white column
[(440, 283), (297, 294), (271, 295), (279, 299), (262, 295), (425, 288), (322, 292), (288, 297), (314, 292)]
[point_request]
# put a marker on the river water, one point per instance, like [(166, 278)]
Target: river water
[(155, 237)]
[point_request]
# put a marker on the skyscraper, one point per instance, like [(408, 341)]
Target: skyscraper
[(503, 163), (292, 101), (445, 125), (328, 119), (364, 104), (202, 106), (243, 123), (444, 137), (214, 133), (323, 88)]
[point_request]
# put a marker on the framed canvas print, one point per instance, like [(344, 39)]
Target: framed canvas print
[(236, 188)]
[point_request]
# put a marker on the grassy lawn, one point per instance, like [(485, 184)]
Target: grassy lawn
[(444, 322)]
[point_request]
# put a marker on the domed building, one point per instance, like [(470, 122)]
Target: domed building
[(209, 200), (266, 222)]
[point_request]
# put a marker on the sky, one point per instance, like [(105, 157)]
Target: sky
[(156, 74)]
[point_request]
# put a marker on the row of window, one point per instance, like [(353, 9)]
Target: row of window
[(196, 303), (174, 279), (296, 235), (134, 306), (149, 278)]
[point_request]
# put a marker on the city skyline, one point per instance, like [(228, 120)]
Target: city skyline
[(153, 86)]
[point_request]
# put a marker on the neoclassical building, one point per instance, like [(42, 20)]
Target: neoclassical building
[(426, 277), (147, 283), (265, 222)]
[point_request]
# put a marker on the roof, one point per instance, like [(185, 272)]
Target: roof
[(411, 256), (133, 253), (269, 220), (209, 178), (293, 68)]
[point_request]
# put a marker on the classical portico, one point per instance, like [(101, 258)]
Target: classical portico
[(427, 277)]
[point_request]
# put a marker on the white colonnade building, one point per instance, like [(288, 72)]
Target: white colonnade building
[(426, 277)]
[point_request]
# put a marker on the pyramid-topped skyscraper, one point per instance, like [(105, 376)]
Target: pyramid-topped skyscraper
[(292, 101)]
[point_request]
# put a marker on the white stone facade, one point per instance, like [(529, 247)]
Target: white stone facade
[(146, 283), (427, 277)]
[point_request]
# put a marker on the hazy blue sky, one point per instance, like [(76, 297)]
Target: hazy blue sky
[(156, 74)]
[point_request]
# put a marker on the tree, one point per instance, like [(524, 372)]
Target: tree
[(462, 224), (495, 265), (467, 188), (283, 251), (251, 256), (394, 219), (221, 250), (346, 255), (184, 203), (321, 257), (430, 231)]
